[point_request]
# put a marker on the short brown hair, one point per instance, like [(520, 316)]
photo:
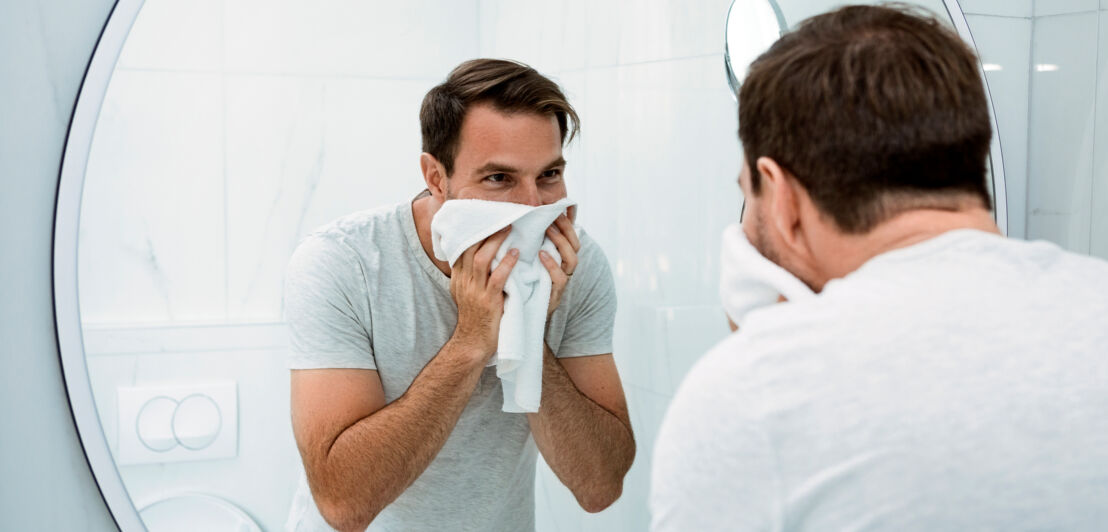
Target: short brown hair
[(509, 86), (875, 110)]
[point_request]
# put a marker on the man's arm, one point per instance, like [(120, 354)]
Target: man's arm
[(582, 427), (360, 454)]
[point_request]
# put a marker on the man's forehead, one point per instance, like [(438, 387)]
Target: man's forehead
[(490, 136)]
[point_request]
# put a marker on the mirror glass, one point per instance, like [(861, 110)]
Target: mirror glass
[(233, 128), (752, 26)]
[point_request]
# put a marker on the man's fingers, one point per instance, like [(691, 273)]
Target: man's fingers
[(557, 276), (566, 227), (500, 275), (466, 260), (565, 249), (486, 251), (572, 213)]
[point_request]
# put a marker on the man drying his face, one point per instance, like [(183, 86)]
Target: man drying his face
[(941, 377), (398, 416)]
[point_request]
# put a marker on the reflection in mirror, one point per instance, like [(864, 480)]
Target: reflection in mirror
[(233, 128)]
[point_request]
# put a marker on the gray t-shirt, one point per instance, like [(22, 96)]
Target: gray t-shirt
[(361, 292), (957, 384)]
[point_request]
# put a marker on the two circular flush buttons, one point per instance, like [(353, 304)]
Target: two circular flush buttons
[(193, 422)]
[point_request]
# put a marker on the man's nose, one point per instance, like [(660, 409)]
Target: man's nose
[(527, 193)]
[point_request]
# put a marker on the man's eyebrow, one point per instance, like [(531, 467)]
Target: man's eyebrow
[(560, 161), (495, 167)]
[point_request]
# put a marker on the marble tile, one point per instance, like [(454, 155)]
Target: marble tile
[(152, 225), (1098, 232), (678, 160), (668, 29), (422, 39), (536, 33), (1063, 81), (1006, 8), (1060, 7), (176, 35), (262, 478), (302, 152), (1004, 46)]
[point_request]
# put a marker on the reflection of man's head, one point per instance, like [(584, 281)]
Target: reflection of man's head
[(495, 130), (864, 113)]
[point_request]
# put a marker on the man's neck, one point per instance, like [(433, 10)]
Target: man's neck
[(424, 208), (842, 254)]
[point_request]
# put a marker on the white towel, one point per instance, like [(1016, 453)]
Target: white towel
[(460, 224), (748, 280)]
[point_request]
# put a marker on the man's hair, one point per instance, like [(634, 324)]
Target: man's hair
[(508, 86), (875, 110)]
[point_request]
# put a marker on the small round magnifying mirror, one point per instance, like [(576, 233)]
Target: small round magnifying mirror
[(752, 27)]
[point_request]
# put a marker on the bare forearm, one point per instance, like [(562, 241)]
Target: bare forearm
[(589, 448), (374, 460)]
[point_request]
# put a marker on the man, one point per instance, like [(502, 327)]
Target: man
[(944, 377), (397, 418)]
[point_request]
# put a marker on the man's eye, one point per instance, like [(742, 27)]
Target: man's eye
[(496, 178), (552, 173)]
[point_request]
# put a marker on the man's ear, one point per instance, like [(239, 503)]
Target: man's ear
[(783, 202), (434, 174)]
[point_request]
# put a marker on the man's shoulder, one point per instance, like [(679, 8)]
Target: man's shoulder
[(356, 238), (591, 256), (361, 225)]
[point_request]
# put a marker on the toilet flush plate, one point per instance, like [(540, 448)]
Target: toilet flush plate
[(160, 424)]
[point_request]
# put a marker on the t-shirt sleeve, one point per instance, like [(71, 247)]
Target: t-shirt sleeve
[(714, 466), (592, 315), (326, 309)]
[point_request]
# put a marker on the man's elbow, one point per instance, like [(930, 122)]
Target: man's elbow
[(343, 516), (601, 498)]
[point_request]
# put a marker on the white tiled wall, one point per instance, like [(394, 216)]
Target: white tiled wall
[(1059, 7), (1004, 45), (1067, 179), (233, 127)]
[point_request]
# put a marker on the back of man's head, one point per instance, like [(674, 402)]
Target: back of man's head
[(874, 110)]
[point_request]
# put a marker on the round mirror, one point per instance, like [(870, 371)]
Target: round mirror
[(752, 27), (211, 136)]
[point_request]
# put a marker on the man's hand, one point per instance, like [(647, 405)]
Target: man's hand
[(564, 237), (479, 293)]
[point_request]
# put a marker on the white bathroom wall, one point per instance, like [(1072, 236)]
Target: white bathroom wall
[(234, 127), (261, 478), (655, 174), (1002, 32), (44, 48), (1067, 179)]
